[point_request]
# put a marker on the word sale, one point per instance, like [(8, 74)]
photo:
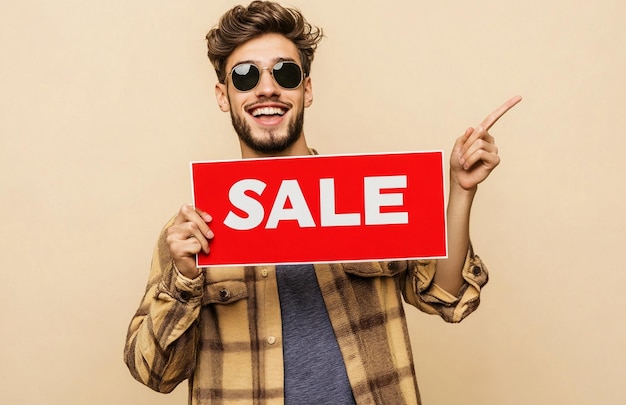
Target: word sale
[(373, 200)]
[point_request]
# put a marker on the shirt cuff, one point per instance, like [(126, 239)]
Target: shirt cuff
[(181, 288)]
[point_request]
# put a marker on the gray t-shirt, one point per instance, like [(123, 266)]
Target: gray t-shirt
[(315, 373)]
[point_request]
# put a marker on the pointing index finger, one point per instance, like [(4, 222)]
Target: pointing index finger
[(495, 116)]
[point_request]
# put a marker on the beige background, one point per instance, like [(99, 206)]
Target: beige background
[(104, 103)]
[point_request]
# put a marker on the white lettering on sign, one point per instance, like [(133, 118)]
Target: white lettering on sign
[(374, 200), (254, 209), (299, 211), (290, 189), (327, 207)]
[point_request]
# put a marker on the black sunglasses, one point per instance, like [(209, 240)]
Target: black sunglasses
[(246, 76)]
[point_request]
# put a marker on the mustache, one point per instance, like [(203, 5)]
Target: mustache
[(266, 100)]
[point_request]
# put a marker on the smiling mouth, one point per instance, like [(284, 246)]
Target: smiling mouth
[(268, 111)]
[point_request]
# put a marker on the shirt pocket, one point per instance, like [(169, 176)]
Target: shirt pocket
[(224, 292)]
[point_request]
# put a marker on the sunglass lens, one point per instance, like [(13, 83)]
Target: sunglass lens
[(245, 76), (287, 74)]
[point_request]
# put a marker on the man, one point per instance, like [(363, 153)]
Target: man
[(315, 334)]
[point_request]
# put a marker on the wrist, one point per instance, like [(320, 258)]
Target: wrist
[(458, 192), (189, 274)]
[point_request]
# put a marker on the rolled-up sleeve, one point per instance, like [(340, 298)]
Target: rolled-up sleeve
[(419, 289)]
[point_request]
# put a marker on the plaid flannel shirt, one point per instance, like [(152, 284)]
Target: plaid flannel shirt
[(222, 330)]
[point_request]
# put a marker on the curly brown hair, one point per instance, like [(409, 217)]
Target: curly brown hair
[(241, 24)]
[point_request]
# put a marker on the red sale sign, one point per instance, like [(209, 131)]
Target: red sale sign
[(313, 209)]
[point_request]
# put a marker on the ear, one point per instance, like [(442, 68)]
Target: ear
[(308, 92), (221, 94)]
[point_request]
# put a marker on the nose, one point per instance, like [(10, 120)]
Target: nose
[(267, 86)]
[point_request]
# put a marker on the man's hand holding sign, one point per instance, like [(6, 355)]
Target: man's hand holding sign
[(474, 156)]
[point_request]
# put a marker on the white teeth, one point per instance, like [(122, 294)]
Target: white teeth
[(268, 111)]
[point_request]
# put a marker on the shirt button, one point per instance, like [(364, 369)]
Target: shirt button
[(264, 272), (224, 294), (271, 340), (476, 271)]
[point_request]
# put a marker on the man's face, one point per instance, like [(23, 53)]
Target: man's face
[(268, 119)]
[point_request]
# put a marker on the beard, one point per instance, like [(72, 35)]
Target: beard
[(274, 143)]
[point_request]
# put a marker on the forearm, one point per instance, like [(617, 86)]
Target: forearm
[(448, 275), (473, 157)]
